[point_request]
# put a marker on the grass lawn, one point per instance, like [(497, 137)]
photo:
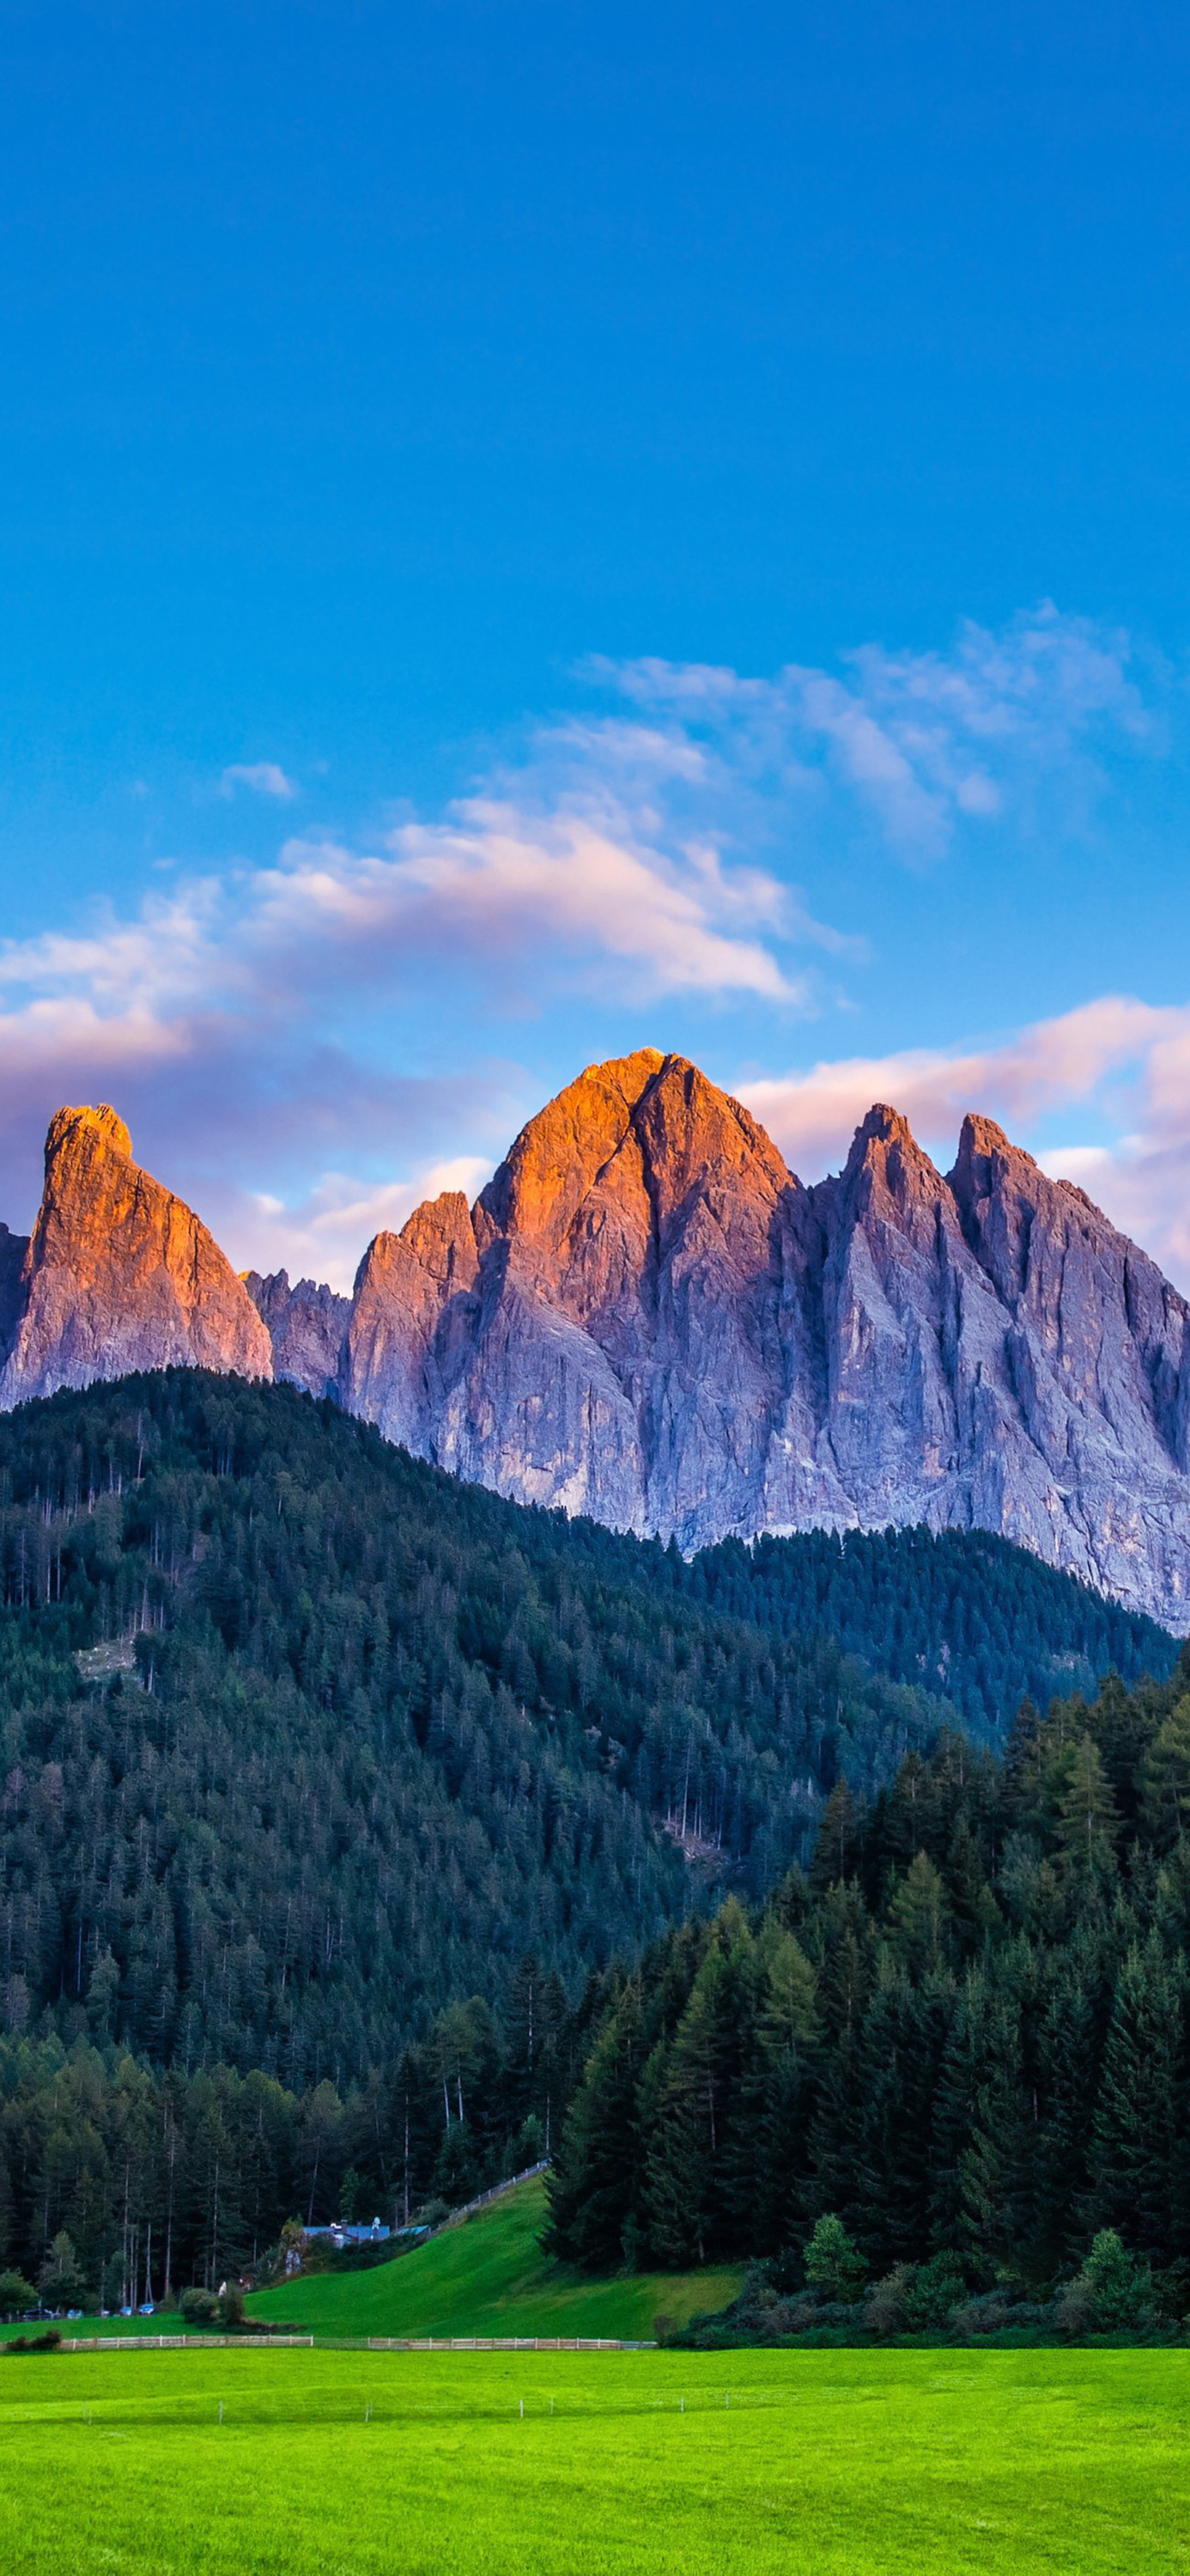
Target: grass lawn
[(490, 2277), (890, 2463)]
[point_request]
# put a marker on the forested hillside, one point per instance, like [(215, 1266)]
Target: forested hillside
[(965, 2033), (962, 1613), (302, 1739)]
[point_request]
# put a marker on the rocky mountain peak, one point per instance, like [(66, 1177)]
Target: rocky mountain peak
[(440, 1235), (663, 1328), (561, 1152), (80, 1130), (306, 1325), (887, 1176), (119, 1274), (987, 1161), (647, 1318)]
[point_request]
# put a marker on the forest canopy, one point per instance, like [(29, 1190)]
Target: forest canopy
[(301, 1740), (963, 2035)]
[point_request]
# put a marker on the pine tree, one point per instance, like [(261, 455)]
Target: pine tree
[(1165, 1779), (902, 2041), (687, 2188), (997, 2183), (591, 2188), (775, 2095), (1087, 1817), (1074, 2011), (1137, 2118)]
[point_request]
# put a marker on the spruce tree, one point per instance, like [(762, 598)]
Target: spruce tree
[(1136, 2131), (591, 2187)]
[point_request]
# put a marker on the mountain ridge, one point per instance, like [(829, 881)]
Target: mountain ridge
[(646, 1317)]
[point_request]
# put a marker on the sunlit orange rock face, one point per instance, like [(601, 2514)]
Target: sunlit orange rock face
[(119, 1274), (646, 1317), (603, 1329)]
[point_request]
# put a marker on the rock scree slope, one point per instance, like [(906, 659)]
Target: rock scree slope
[(646, 1317)]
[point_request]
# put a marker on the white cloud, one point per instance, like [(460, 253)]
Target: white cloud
[(812, 1116), (264, 777), (638, 856), (920, 742), (520, 893), (323, 1236)]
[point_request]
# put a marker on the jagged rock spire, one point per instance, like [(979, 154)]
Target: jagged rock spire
[(119, 1274)]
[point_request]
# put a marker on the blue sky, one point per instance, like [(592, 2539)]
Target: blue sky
[(531, 530)]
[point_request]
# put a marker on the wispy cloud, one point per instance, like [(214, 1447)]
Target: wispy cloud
[(263, 777), (250, 1021), (564, 898), (323, 1235), (919, 742)]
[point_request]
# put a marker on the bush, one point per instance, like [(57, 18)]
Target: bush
[(1114, 2293), (884, 2307), (834, 2265), (198, 2307), (50, 2341), (318, 2254), (229, 2310), (933, 2292)]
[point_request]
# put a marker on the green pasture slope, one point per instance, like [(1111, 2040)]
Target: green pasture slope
[(490, 2277), (358, 2464)]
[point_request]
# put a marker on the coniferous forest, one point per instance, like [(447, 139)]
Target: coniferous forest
[(960, 2041), (348, 1814)]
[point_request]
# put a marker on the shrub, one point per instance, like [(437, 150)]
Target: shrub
[(884, 2307), (834, 2265), (934, 2290), (1113, 2294), (198, 2307), (50, 2341)]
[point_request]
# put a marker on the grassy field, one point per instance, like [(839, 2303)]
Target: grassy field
[(360, 2464), (490, 2277)]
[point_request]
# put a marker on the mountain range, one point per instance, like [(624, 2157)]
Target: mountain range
[(646, 1318)]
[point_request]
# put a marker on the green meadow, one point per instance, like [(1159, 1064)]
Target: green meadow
[(490, 2277), (363, 2464)]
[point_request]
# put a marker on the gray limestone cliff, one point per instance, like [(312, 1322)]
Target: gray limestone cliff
[(647, 1318), (306, 1325)]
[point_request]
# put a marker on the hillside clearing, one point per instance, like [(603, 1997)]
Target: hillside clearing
[(490, 2277)]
